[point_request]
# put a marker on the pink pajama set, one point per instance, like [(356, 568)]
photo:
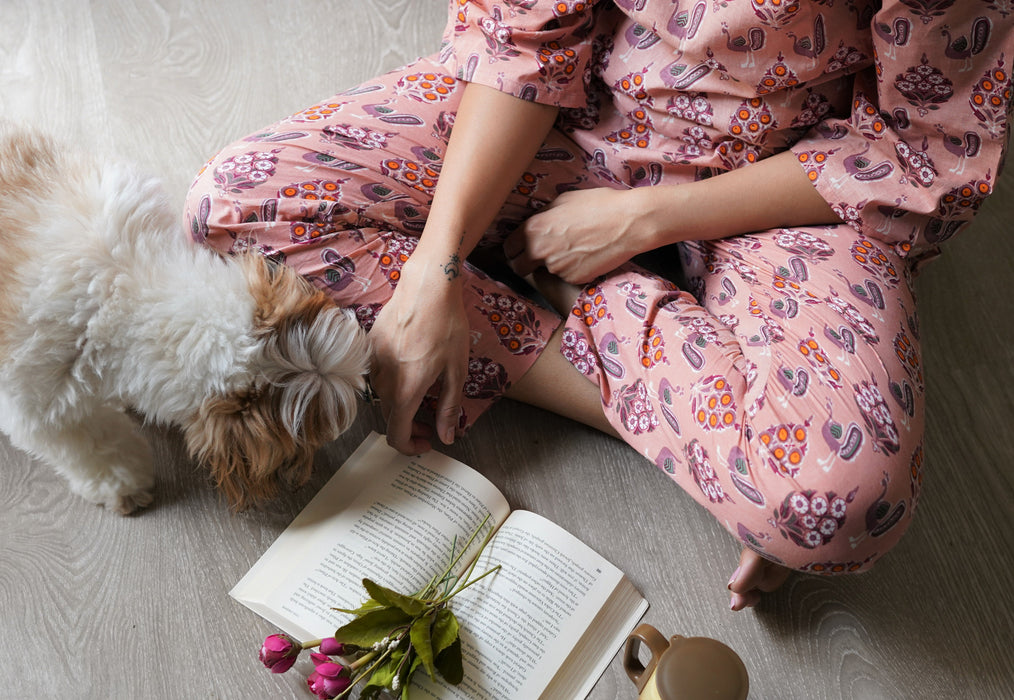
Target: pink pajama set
[(780, 383)]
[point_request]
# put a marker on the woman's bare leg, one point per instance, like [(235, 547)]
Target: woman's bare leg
[(553, 384)]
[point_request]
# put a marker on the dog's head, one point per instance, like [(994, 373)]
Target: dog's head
[(310, 365)]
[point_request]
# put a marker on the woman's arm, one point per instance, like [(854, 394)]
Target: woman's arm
[(420, 337), (495, 137), (584, 234)]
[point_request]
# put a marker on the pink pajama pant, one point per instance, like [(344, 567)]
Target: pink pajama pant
[(781, 387)]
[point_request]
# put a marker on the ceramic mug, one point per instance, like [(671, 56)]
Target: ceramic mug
[(684, 668)]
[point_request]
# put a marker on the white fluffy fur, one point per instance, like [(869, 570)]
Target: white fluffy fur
[(105, 306)]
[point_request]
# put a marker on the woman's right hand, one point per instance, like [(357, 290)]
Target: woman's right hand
[(421, 339)]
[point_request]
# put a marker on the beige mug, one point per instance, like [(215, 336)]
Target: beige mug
[(684, 668)]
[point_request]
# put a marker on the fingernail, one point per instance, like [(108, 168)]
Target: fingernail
[(449, 436), (733, 601), (735, 575)]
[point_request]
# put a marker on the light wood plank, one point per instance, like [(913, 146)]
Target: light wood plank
[(107, 607)]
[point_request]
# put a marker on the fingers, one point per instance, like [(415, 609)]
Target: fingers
[(514, 243), (449, 407), (519, 254), (411, 436), (404, 433)]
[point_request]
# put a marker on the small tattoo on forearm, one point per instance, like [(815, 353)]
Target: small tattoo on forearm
[(453, 267)]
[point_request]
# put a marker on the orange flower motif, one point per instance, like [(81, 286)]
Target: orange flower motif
[(652, 348), (591, 307), (784, 447), (713, 404)]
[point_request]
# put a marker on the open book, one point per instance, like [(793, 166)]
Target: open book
[(545, 625)]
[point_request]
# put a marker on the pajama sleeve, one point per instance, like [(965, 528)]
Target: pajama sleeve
[(925, 139), (537, 50)]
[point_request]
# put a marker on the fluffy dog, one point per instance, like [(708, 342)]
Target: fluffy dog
[(105, 308)]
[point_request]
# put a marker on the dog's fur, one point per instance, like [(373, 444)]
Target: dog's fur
[(106, 307)]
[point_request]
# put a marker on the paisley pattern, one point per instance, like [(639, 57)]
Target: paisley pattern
[(698, 87), (783, 388)]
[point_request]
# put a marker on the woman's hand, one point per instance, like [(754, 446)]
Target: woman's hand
[(420, 339), (421, 336), (580, 235), (587, 233)]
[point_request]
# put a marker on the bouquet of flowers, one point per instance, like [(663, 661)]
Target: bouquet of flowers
[(391, 636)]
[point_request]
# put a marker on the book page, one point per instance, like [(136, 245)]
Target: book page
[(382, 516), (520, 625)]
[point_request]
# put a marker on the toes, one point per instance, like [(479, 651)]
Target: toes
[(750, 572), (755, 575), (747, 600)]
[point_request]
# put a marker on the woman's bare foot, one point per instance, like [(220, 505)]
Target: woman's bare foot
[(755, 575)]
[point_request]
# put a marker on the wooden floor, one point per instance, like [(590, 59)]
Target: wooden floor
[(97, 606)]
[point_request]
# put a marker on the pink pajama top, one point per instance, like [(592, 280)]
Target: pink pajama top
[(897, 111)]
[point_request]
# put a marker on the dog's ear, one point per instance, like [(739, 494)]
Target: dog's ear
[(310, 348), (240, 439), (308, 371)]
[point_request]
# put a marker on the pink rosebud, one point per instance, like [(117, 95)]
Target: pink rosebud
[(330, 679), (279, 652), (319, 659), (333, 647)]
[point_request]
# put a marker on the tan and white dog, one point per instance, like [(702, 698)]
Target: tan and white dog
[(105, 307)]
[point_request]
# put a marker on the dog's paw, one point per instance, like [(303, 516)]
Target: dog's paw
[(123, 493), (129, 503)]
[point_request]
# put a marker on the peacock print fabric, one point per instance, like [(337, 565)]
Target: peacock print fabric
[(775, 376)]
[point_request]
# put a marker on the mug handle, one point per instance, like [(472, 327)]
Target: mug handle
[(636, 671)]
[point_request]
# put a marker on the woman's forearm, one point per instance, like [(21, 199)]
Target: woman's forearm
[(494, 138), (772, 193)]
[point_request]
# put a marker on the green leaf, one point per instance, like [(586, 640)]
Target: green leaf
[(445, 630), (369, 606), (423, 644), (370, 692), (383, 675), (370, 628), (741, 466), (448, 662), (408, 605), (416, 663)]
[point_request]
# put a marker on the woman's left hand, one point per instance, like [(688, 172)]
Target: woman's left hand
[(580, 235)]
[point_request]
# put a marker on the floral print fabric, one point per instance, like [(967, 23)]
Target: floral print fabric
[(898, 111), (780, 385)]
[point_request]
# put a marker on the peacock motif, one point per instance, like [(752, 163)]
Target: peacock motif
[(813, 45), (963, 147), (963, 48), (894, 35), (746, 44)]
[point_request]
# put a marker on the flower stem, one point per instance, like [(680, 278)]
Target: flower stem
[(362, 661), (469, 583), (465, 549)]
